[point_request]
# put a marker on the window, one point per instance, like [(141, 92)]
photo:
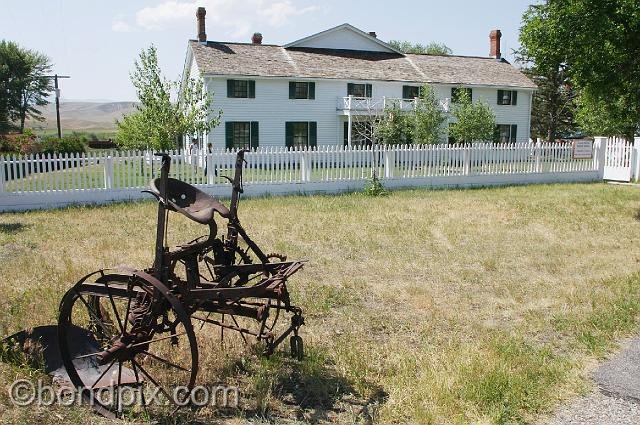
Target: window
[(301, 134), (359, 90), (507, 97), (241, 134), (506, 133), (456, 92), (410, 92), (302, 90), (241, 88)]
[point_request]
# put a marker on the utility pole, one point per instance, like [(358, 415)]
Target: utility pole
[(55, 84)]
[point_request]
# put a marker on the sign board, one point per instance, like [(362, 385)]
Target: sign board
[(582, 149)]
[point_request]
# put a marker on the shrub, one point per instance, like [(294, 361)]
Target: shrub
[(374, 187), (70, 143), (25, 143)]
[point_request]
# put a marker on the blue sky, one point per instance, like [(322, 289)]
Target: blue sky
[(96, 42)]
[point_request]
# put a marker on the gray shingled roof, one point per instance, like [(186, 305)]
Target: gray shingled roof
[(264, 60)]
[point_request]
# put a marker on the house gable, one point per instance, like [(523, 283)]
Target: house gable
[(343, 37)]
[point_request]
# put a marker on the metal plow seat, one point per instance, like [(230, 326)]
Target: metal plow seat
[(189, 201)]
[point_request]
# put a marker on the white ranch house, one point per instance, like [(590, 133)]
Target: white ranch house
[(307, 93)]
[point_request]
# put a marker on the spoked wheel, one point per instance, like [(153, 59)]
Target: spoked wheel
[(128, 344), (264, 314)]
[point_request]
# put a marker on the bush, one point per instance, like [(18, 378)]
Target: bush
[(25, 143), (70, 143), (374, 187)]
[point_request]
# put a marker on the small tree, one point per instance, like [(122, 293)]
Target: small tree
[(159, 122), (23, 86), (475, 121), (393, 127), (428, 118)]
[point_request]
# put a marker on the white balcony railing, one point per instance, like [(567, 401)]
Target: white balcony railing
[(370, 104)]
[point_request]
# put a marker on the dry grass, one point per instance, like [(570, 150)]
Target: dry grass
[(424, 306)]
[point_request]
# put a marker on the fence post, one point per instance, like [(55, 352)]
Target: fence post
[(3, 170), (305, 169), (466, 161), (107, 166), (538, 153), (635, 172), (389, 159), (600, 155), (210, 168)]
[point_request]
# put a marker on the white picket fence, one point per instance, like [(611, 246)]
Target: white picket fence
[(44, 181)]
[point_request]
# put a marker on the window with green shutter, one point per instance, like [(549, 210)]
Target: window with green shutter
[(506, 133), (241, 134), (410, 92), (359, 90), (241, 88), (301, 134), (507, 97), (302, 90)]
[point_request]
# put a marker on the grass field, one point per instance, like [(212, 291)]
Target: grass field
[(481, 306)]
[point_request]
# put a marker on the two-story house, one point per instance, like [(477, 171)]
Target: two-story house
[(307, 93)]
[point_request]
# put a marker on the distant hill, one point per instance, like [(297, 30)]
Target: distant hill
[(84, 116)]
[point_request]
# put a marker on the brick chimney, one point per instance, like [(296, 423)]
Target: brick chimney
[(494, 40), (373, 34), (256, 38), (202, 35)]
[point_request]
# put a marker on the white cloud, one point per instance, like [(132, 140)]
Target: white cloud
[(233, 17), (119, 25)]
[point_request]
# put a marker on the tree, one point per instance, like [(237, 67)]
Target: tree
[(598, 45), (23, 86), (542, 52), (432, 48), (475, 121), (159, 122), (428, 118)]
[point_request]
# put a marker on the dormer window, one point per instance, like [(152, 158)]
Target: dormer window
[(302, 90), (359, 90), (507, 97)]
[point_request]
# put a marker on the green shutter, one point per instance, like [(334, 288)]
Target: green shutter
[(230, 88), (500, 95), (405, 92), (368, 90), (313, 134), (292, 89), (514, 97), (228, 132), (252, 89), (470, 95), (346, 133), (312, 90), (350, 89), (288, 134), (254, 136), (514, 132)]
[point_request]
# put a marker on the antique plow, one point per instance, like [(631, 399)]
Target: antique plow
[(140, 327)]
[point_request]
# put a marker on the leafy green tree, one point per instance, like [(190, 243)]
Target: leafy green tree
[(393, 127), (543, 54), (428, 118), (475, 121), (23, 87), (159, 122), (432, 48), (597, 43)]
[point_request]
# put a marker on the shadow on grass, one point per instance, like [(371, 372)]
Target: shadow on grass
[(12, 228), (280, 388)]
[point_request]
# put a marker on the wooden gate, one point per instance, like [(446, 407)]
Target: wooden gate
[(618, 160)]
